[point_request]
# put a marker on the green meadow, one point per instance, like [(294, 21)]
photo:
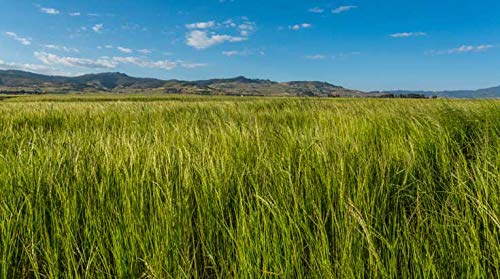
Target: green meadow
[(107, 186)]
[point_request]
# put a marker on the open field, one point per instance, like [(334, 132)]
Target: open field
[(190, 187)]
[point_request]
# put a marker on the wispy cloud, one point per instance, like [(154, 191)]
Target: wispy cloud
[(408, 34), (300, 26), (134, 27), (246, 52), (42, 69), (145, 51), (161, 64), (202, 40), (23, 41), (75, 14), (230, 53), (189, 65), (111, 63), (342, 9), (61, 48), (98, 28), (125, 50), (461, 49), (50, 11), (345, 55), (164, 64), (202, 35), (52, 59), (201, 25), (316, 57), (246, 28), (316, 10)]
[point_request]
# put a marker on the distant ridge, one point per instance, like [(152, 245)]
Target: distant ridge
[(492, 92), (14, 81), (18, 81)]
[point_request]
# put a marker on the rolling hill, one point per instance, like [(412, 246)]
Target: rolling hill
[(13, 81), (493, 92), (16, 81)]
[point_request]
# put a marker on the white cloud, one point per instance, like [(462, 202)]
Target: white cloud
[(246, 52), (97, 28), (345, 55), (61, 48), (124, 49), (230, 53), (229, 23), (191, 65), (75, 14), (49, 11), (316, 10), (144, 51), (462, 49), (246, 28), (164, 64), (342, 9), (134, 27), (52, 59), (202, 40), (201, 25), (300, 26), (203, 35), (37, 68), (23, 41), (465, 48), (408, 34), (161, 64), (316, 57)]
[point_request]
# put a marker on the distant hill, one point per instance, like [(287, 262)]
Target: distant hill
[(19, 81), (493, 92), (101, 82), (12, 81), (258, 87)]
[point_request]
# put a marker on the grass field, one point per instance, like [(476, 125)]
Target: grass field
[(131, 187)]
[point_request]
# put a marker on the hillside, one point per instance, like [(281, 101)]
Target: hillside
[(12, 82), (493, 92), (17, 81)]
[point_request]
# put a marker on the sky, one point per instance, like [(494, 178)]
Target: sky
[(360, 44)]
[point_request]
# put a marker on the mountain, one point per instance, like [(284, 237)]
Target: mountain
[(493, 92), (111, 81), (19, 82), (12, 82), (105, 81)]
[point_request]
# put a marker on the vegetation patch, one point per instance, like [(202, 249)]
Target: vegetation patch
[(245, 187)]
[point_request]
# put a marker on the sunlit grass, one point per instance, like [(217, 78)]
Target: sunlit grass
[(235, 187)]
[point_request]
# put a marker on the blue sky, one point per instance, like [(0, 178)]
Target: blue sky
[(361, 44)]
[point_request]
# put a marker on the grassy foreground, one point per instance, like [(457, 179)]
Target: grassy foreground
[(249, 188)]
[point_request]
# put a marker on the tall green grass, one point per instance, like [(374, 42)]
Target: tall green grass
[(250, 188)]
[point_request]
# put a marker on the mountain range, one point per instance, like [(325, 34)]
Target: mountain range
[(13, 81), (492, 92)]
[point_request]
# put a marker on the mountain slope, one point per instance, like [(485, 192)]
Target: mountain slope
[(493, 92), (10, 81), (104, 81)]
